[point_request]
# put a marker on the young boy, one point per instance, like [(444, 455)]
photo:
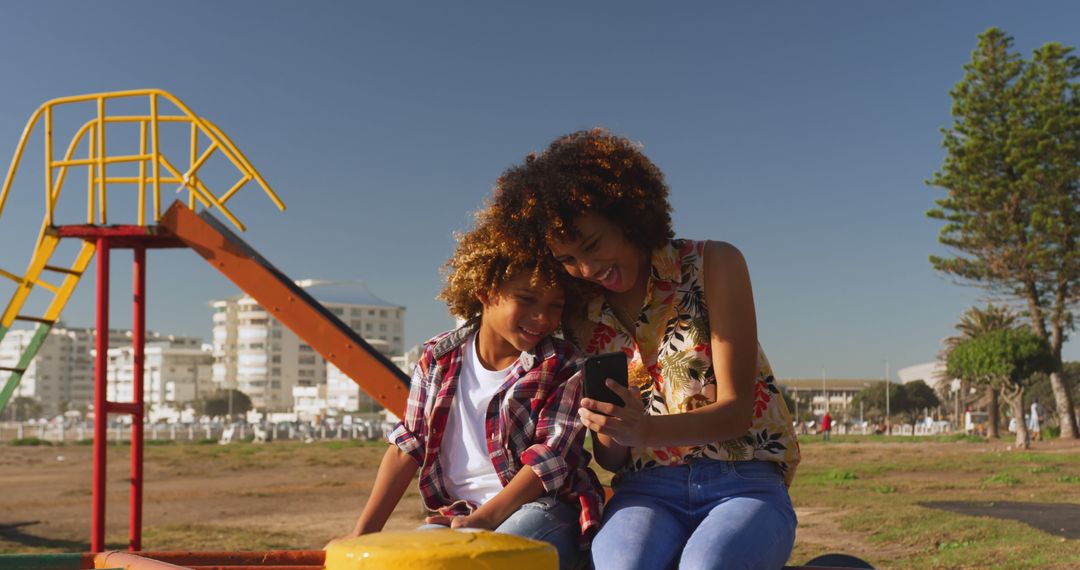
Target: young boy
[(492, 421)]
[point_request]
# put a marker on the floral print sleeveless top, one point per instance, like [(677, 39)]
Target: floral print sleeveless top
[(671, 363)]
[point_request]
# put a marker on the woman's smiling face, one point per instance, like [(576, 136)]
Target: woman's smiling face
[(601, 254)]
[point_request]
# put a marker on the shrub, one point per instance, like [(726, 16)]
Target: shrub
[(29, 441)]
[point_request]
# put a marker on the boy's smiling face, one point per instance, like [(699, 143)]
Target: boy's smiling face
[(515, 318)]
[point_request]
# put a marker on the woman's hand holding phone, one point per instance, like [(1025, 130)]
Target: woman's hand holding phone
[(626, 425)]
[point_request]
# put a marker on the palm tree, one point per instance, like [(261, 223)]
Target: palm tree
[(973, 322)]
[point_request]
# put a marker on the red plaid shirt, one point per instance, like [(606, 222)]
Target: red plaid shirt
[(532, 420)]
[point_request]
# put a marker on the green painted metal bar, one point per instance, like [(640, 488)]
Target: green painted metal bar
[(47, 561), (27, 357)]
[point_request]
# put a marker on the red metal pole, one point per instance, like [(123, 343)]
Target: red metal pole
[(138, 333), (101, 412)]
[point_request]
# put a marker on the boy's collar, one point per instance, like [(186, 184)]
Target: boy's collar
[(459, 336)]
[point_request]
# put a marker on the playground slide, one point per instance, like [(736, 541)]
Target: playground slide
[(209, 237), (290, 304)]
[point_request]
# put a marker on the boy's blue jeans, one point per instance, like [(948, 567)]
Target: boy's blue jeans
[(705, 514), (545, 519)]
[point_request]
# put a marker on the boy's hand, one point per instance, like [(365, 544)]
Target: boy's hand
[(461, 521), (627, 425), (355, 533)]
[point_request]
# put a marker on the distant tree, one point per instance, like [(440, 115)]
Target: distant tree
[(974, 322), (1007, 359), (217, 403), (905, 400), (1012, 175), (918, 398), (25, 408)]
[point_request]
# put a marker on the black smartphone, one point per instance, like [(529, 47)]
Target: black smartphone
[(601, 367)]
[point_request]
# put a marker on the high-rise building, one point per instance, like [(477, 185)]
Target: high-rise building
[(256, 354)]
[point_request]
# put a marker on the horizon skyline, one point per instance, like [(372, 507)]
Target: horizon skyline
[(801, 134)]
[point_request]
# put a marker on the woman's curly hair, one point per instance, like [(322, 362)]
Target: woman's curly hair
[(485, 259), (586, 171)]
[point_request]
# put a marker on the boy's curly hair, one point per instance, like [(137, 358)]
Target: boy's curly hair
[(485, 259), (586, 171)]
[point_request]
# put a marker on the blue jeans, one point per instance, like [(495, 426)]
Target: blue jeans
[(548, 520), (705, 514)]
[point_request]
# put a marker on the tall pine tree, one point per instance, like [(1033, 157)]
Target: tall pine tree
[(1012, 176)]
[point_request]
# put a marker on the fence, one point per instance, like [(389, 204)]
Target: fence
[(936, 428), (366, 430)]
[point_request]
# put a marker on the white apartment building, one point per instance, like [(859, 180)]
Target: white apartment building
[(338, 394), (61, 376), (257, 355), (812, 394), (176, 371)]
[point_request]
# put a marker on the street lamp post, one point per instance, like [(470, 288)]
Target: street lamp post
[(888, 425), (824, 393)]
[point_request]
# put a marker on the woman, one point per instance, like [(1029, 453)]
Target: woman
[(703, 449)]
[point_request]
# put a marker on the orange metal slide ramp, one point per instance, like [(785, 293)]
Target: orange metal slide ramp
[(290, 304)]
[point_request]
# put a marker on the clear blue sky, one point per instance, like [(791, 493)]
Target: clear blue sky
[(801, 132)]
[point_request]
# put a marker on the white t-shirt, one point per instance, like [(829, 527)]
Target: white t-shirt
[(465, 460)]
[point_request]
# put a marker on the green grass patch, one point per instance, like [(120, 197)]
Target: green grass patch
[(1069, 479), (216, 537), (1003, 479), (29, 441), (884, 489), (1044, 469), (954, 544), (827, 478)]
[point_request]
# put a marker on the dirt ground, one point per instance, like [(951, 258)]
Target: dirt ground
[(287, 495), (301, 495)]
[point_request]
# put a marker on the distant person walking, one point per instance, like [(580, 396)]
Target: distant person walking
[(826, 425), (1033, 424)]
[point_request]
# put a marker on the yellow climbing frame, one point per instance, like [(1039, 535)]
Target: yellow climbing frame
[(154, 170)]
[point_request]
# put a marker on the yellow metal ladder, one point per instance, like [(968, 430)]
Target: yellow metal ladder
[(60, 295)]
